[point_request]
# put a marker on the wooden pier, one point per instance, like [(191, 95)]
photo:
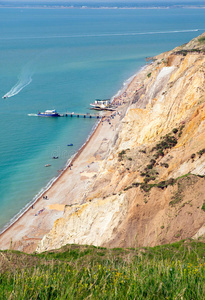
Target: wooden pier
[(87, 115)]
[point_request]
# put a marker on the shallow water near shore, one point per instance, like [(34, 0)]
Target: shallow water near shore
[(64, 59)]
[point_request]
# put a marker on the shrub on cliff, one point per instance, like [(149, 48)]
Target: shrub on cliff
[(203, 206), (201, 152), (202, 40), (175, 130)]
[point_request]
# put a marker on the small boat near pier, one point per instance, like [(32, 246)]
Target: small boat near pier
[(49, 113), (103, 104)]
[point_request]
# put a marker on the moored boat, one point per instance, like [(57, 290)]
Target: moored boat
[(100, 104), (104, 104), (49, 113)]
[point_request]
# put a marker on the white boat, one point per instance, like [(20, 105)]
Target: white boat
[(49, 113), (100, 104)]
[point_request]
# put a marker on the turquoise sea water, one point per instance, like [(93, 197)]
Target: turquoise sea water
[(64, 59)]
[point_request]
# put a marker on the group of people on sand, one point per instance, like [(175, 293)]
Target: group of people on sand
[(120, 100), (40, 211), (70, 166), (108, 119)]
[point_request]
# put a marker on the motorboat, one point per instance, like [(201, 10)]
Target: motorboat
[(104, 104), (70, 145), (49, 113)]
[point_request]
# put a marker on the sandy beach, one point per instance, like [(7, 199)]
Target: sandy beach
[(73, 184)]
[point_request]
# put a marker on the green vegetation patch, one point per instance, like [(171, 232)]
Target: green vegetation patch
[(202, 40), (201, 152), (203, 206), (162, 184), (181, 130), (194, 50), (173, 271), (121, 155), (146, 187)]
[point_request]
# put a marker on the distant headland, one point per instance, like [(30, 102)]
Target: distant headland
[(64, 5)]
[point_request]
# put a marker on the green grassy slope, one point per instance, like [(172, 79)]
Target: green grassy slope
[(175, 271)]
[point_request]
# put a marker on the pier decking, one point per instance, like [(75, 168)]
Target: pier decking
[(71, 115), (87, 115)]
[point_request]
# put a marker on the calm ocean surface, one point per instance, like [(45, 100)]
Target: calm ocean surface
[(64, 59)]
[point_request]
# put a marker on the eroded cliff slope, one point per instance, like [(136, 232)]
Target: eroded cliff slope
[(150, 188)]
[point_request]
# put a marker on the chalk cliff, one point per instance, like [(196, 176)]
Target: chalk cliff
[(150, 188)]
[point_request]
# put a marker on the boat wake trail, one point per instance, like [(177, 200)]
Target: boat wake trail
[(104, 34), (25, 79), (32, 115)]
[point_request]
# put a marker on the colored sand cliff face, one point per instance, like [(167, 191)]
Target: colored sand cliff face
[(150, 188)]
